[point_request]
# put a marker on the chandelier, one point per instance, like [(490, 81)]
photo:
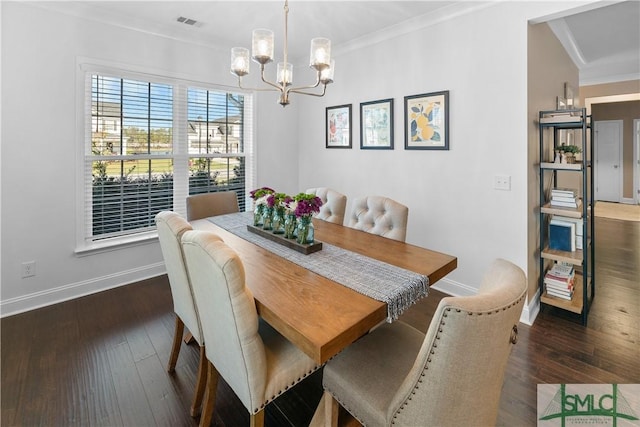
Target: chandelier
[(262, 53)]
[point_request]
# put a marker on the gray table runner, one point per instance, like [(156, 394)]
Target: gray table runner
[(397, 287)]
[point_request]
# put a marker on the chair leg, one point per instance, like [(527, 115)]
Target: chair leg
[(331, 408), (201, 383), (177, 341), (257, 419), (209, 396), (188, 339)]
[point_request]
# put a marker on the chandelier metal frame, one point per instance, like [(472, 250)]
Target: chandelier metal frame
[(262, 53)]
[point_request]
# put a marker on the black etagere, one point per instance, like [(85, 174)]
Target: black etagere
[(557, 128)]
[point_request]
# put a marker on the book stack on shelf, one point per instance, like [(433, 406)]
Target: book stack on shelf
[(558, 281), (564, 198)]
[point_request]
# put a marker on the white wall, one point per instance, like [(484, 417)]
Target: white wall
[(39, 145), (480, 58)]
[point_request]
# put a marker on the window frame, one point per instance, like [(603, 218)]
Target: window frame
[(86, 67)]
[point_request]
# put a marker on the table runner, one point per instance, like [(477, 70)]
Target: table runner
[(397, 287)]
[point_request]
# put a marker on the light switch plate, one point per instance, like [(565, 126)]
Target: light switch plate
[(502, 182)]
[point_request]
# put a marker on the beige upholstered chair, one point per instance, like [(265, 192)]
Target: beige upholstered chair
[(381, 216), (170, 227), (451, 377), (211, 204), (333, 204), (255, 361)]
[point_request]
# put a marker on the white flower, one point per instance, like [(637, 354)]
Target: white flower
[(262, 200), (290, 207)]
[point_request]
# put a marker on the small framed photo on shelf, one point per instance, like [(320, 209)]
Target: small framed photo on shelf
[(426, 121), (561, 103), (376, 125), (570, 96), (338, 126)]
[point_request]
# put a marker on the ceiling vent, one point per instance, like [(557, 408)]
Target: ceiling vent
[(187, 21)]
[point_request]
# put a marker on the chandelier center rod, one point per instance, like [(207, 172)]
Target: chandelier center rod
[(286, 36)]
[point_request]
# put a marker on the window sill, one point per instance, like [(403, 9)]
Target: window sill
[(116, 244)]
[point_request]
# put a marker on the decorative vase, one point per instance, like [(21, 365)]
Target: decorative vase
[(257, 215), (305, 230), (290, 224), (277, 223), (267, 218)]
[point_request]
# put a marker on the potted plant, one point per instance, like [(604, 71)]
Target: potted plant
[(569, 152)]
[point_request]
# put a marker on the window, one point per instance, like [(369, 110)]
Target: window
[(153, 142), (215, 141)]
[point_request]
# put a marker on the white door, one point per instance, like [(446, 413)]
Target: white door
[(608, 160)]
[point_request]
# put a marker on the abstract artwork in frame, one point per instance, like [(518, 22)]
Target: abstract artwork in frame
[(376, 125), (338, 124), (426, 121)]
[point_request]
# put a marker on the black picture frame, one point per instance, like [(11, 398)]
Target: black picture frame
[(376, 125), (338, 126), (426, 121)]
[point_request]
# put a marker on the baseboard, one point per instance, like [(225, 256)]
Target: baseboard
[(529, 311), (453, 288), (79, 289)]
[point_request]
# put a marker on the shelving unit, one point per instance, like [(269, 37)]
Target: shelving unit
[(552, 124)]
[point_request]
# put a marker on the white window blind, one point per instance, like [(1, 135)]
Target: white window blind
[(216, 142), (151, 143)]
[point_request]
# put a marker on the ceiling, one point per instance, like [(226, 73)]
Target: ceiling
[(604, 42)]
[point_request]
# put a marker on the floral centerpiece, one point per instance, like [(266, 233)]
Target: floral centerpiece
[(306, 206), (278, 202), (290, 221), (259, 197)]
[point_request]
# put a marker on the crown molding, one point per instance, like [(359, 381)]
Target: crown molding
[(566, 39), (414, 24)]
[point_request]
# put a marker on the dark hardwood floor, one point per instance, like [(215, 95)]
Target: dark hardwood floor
[(101, 360)]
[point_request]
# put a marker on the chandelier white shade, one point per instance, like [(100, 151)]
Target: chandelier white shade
[(262, 52)]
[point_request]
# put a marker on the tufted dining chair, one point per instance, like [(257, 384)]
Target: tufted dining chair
[(379, 215), (333, 204), (257, 362), (211, 204), (452, 376), (171, 227)]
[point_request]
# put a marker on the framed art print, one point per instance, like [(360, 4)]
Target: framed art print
[(570, 95), (561, 103), (426, 121), (376, 125), (338, 123)]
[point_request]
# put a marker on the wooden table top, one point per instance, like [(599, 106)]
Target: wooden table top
[(317, 314)]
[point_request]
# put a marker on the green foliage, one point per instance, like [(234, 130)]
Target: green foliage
[(129, 202), (570, 149)]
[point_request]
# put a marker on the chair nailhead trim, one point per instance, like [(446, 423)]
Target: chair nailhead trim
[(440, 331), (272, 398)]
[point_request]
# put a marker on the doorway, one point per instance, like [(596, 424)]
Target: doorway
[(608, 160), (636, 160)]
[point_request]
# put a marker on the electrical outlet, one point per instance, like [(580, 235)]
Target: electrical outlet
[(28, 269), (502, 182)]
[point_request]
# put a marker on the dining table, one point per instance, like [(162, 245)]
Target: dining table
[(318, 314)]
